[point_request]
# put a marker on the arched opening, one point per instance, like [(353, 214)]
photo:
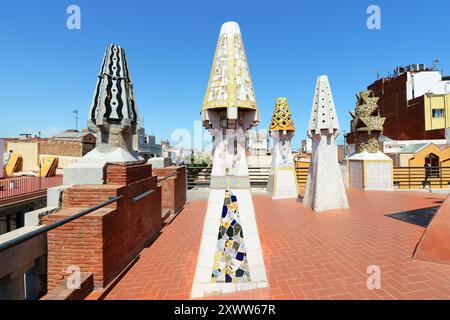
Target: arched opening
[(433, 161)]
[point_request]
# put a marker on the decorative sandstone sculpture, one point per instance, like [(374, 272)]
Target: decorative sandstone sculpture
[(325, 188), (369, 168), (367, 123), (230, 256), (283, 178), (113, 117)]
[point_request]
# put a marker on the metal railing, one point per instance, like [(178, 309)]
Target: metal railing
[(419, 177), (13, 242), (12, 187), (199, 177), (259, 176)]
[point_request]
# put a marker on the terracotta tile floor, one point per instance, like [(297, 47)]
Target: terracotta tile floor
[(307, 255)]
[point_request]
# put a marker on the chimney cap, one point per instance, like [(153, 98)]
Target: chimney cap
[(230, 27)]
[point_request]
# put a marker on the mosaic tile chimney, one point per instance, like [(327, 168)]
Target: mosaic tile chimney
[(230, 257), (283, 178), (113, 117)]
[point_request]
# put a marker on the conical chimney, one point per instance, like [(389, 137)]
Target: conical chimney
[(323, 112), (230, 85)]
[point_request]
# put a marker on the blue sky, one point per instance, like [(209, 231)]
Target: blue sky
[(49, 70)]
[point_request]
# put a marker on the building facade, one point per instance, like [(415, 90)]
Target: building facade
[(146, 144), (306, 145), (415, 103), (257, 143), (68, 146), (416, 153)]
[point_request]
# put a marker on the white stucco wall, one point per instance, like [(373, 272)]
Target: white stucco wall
[(424, 82), (394, 146)]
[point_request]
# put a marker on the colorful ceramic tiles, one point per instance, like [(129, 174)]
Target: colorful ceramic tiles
[(230, 182), (230, 261)]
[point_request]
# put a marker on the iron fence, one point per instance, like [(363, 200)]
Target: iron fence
[(12, 187), (200, 177)]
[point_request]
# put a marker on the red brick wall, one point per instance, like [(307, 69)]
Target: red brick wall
[(63, 293), (105, 241), (135, 225), (87, 196), (404, 120), (76, 243), (125, 174), (174, 188)]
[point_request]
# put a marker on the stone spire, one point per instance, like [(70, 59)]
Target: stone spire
[(325, 188), (113, 113), (230, 85), (323, 113)]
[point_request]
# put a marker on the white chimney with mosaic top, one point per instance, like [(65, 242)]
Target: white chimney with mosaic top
[(230, 257)]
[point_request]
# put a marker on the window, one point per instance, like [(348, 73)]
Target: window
[(11, 222), (438, 113)]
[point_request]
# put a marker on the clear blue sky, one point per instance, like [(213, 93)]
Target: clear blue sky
[(47, 71)]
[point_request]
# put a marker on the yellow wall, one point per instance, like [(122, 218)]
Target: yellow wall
[(404, 159), (29, 152), (301, 164), (419, 159), (437, 101)]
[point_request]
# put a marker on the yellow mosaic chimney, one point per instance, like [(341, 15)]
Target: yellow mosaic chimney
[(282, 182), (230, 85), (281, 117), (229, 110)]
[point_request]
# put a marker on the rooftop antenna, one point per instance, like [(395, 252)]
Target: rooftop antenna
[(76, 118), (435, 63)]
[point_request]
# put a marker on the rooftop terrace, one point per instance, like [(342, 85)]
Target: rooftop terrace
[(307, 255)]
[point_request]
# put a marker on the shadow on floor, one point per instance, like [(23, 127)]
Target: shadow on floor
[(419, 217)]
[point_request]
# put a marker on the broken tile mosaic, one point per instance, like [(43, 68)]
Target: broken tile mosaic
[(230, 261)]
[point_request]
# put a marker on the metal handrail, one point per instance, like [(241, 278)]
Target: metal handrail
[(45, 229), (142, 195)]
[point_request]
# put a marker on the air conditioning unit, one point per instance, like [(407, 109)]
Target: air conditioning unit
[(414, 68), (422, 67), (400, 70)]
